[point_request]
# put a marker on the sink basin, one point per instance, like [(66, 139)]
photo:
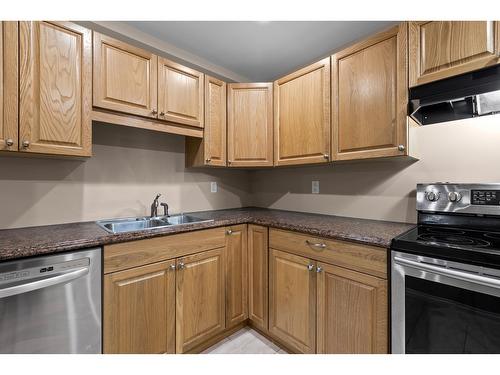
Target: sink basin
[(144, 223)]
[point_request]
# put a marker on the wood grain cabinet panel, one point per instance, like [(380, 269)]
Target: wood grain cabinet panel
[(441, 49), (370, 96), (352, 312), (200, 298), (236, 275), (139, 310), (292, 301), (250, 124), (302, 116), (55, 88), (9, 86), (211, 150), (258, 276), (125, 77), (180, 93)]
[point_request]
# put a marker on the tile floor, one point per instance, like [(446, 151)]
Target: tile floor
[(245, 341)]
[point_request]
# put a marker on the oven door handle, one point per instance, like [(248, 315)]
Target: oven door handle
[(44, 283), (455, 274)]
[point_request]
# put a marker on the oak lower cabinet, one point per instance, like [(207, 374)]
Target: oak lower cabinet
[(211, 149), (370, 96), (302, 116), (441, 49), (200, 312), (55, 88), (250, 125), (8, 86), (258, 276), (236, 275), (125, 77), (352, 312), (292, 300), (139, 310)]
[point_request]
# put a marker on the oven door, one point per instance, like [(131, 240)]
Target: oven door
[(443, 307)]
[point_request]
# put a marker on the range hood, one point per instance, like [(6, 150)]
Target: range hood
[(465, 96)]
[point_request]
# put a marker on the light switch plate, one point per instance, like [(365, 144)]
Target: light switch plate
[(315, 187), (213, 187)]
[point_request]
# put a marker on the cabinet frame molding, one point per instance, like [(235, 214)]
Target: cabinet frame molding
[(401, 96), (323, 155), (9, 85), (259, 282)]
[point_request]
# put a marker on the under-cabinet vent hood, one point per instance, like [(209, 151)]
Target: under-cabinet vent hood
[(466, 96)]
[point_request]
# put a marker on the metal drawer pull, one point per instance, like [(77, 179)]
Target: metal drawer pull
[(455, 274), (310, 267), (180, 266), (319, 245)]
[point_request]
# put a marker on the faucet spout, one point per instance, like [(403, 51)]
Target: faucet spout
[(154, 206)]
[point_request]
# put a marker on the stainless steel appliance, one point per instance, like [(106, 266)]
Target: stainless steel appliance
[(445, 278), (51, 304)]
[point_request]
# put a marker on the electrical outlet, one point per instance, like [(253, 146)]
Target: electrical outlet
[(213, 187), (315, 187)]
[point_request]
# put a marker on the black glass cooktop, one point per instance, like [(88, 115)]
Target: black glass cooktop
[(473, 246)]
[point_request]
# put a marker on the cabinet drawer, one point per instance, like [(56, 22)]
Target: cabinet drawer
[(368, 259), (137, 253)]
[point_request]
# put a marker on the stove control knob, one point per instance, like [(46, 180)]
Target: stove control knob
[(432, 196), (453, 196)]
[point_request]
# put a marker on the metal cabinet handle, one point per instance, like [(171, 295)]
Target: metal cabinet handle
[(26, 144), (310, 267), (180, 266), (229, 232), (208, 160), (172, 267), (326, 156), (162, 113), (9, 142), (154, 112), (319, 269), (401, 147), (319, 245)]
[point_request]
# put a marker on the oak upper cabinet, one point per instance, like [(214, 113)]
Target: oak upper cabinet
[(292, 300), (180, 93), (352, 312), (236, 275), (55, 88), (200, 312), (302, 116), (370, 97), (139, 310), (125, 77), (441, 49), (8, 86), (250, 124), (211, 150), (258, 276)]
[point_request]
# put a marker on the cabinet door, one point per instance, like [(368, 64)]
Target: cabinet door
[(292, 301), (370, 97), (258, 276), (211, 150), (180, 93), (441, 49), (55, 88), (236, 275), (8, 86), (200, 298), (139, 310), (352, 312), (250, 124), (125, 77), (302, 116)]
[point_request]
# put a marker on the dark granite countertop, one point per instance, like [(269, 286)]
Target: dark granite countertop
[(31, 241)]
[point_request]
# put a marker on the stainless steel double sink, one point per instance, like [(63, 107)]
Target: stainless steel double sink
[(144, 223)]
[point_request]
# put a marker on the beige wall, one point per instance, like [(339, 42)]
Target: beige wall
[(128, 168), (462, 151)]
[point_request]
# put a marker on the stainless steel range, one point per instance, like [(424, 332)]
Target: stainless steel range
[(446, 272)]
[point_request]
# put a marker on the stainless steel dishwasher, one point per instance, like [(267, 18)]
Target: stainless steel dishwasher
[(51, 304)]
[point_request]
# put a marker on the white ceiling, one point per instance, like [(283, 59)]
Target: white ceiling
[(257, 50)]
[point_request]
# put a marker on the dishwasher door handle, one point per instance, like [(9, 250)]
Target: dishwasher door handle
[(44, 283)]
